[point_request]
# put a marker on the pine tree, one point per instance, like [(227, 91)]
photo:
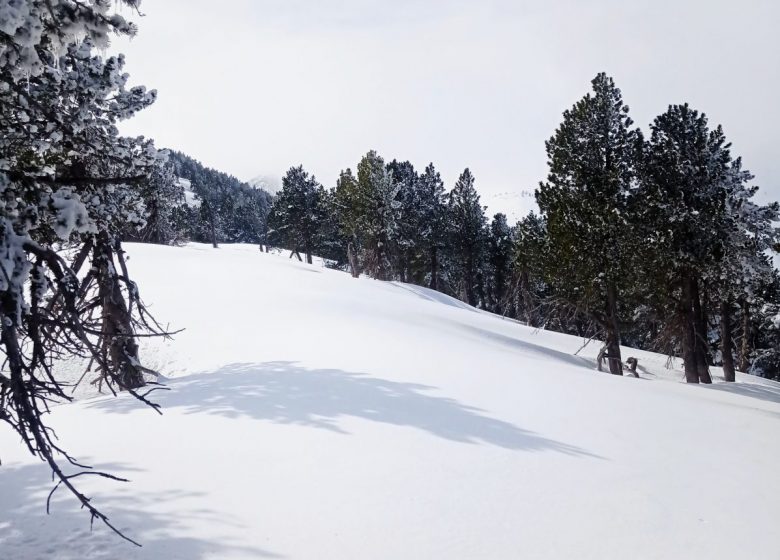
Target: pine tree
[(468, 235), (530, 239), (407, 218), (298, 212), (585, 202), (433, 224), (349, 205), (499, 260), (687, 177), (377, 221), (71, 186), (744, 270)]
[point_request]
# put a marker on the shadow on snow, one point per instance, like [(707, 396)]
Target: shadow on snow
[(27, 532), (286, 393)]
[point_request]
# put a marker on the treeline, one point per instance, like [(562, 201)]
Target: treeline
[(187, 201), (656, 243)]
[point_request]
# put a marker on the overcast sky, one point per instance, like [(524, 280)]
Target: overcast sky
[(252, 87)]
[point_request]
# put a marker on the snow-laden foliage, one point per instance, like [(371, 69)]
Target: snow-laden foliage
[(468, 235), (69, 185), (299, 212)]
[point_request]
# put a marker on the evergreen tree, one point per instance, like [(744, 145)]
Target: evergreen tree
[(687, 178), (407, 217), (585, 202), (298, 212), (376, 202), (349, 205), (70, 186), (745, 270), (433, 216), (499, 260), (530, 238), (468, 236)]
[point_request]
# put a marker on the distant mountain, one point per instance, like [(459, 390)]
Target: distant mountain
[(515, 204), (271, 184)]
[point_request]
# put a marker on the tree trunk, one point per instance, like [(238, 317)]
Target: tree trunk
[(434, 269), (213, 235), (353, 260), (744, 351), (469, 283), (613, 333), (688, 334), (701, 337), (308, 251), (117, 330), (526, 299), (726, 341)]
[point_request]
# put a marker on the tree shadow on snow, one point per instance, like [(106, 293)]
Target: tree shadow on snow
[(766, 392), (286, 393), (529, 348), (432, 295), (28, 533)]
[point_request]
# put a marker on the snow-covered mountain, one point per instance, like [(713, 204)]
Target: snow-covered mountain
[(271, 184), (315, 416)]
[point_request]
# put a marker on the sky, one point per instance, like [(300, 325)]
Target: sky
[(253, 87)]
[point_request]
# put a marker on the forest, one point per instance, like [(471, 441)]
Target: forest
[(648, 240), (655, 243)]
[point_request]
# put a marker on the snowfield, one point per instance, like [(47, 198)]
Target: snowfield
[(315, 416)]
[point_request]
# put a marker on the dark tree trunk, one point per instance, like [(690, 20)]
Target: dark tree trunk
[(688, 334), (726, 341), (213, 233), (117, 331), (434, 269), (353, 260), (526, 299), (744, 351), (613, 333), (308, 250), (701, 337), (469, 283)]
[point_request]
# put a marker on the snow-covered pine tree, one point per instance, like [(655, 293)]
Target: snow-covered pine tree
[(530, 238), (348, 204), (585, 203), (499, 261), (378, 226), (467, 237), (745, 271), (433, 224), (298, 212), (70, 186), (687, 177), (408, 218)]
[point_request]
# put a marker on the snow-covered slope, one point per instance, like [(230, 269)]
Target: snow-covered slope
[(315, 416), (271, 184)]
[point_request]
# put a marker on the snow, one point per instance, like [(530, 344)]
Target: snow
[(271, 184), (315, 416), (190, 198)]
